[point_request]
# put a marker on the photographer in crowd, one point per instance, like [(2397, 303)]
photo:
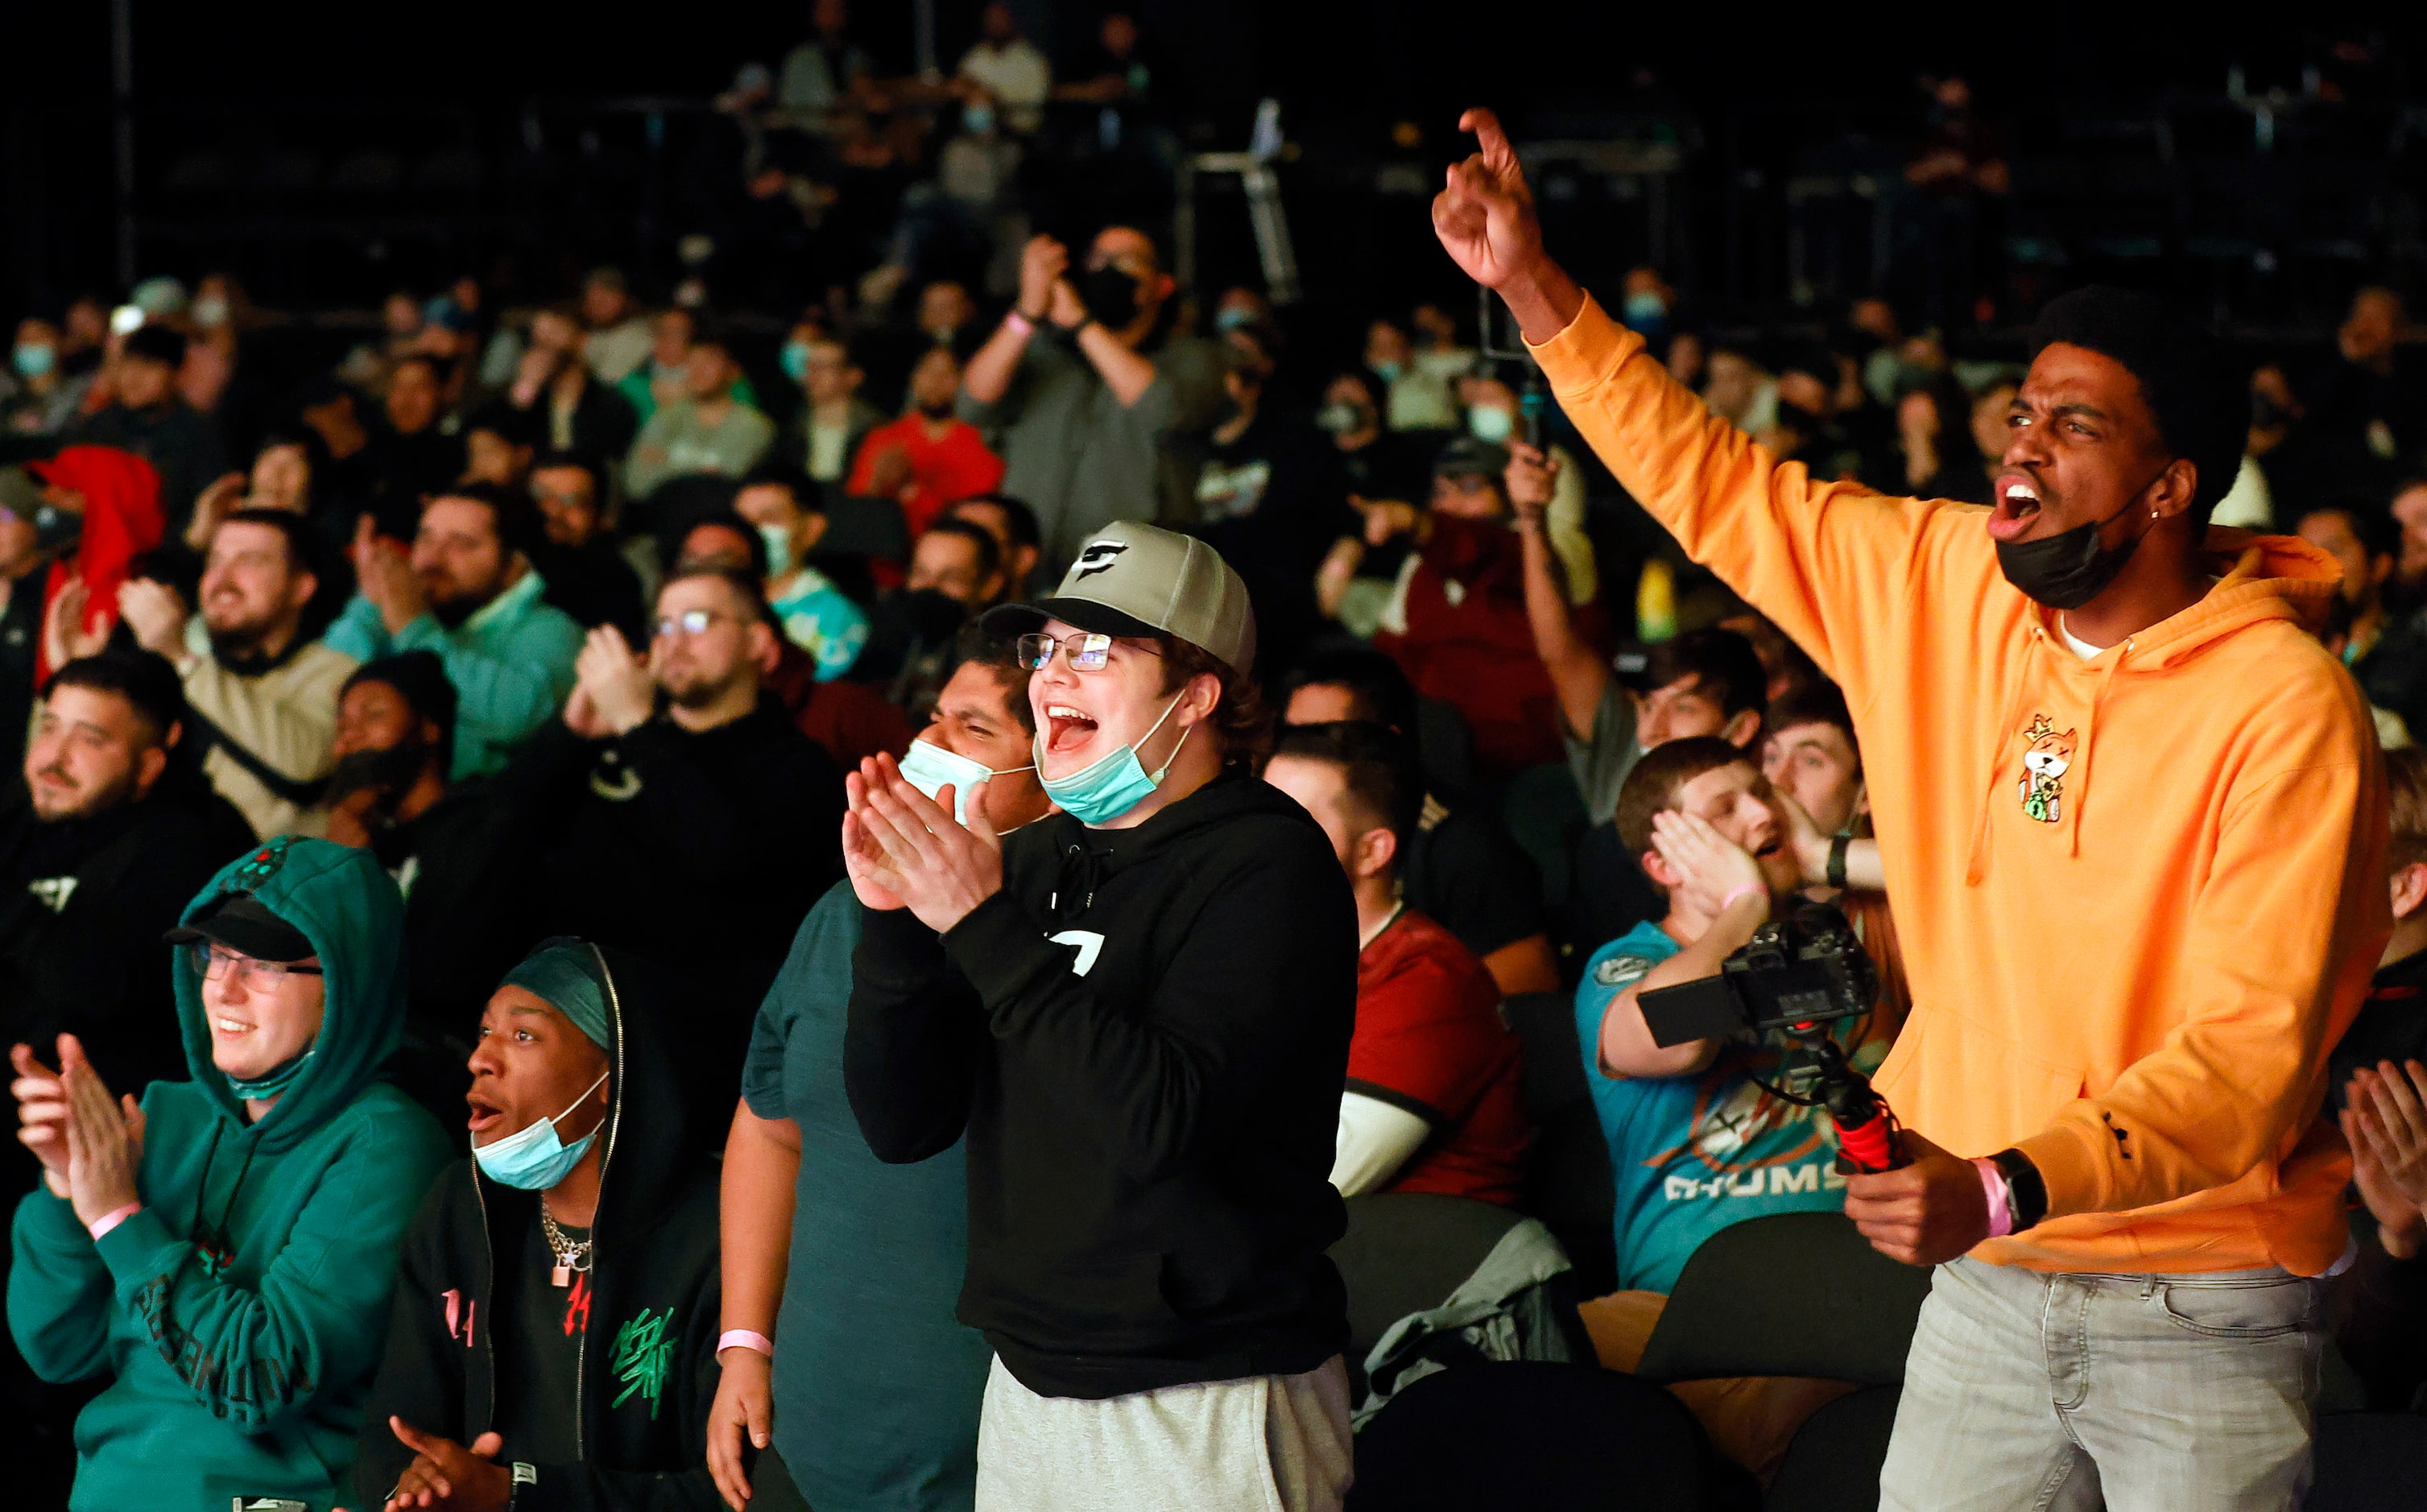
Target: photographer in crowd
[(2099, 744)]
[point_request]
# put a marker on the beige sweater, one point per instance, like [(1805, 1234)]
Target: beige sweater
[(285, 717)]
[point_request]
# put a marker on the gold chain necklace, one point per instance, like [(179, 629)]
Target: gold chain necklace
[(570, 1256)]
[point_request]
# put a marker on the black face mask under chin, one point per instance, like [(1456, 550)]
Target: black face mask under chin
[(2068, 569)]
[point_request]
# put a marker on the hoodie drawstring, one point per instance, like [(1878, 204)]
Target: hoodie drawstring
[(1977, 867), (2081, 771)]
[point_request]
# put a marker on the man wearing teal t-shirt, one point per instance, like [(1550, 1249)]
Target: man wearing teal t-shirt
[(1695, 1143)]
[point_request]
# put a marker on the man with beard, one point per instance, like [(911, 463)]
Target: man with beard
[(104, 840), (1458, 625), (676, 810), (469, 593), (929, 458), (263, 699)]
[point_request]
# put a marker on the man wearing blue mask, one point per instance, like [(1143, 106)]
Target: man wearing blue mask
[(529, 1364), (1138, 1012)]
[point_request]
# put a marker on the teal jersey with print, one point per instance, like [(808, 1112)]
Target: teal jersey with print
[(823, 620), (1689, 1155)]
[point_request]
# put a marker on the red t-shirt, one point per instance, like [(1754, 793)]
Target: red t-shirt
[(942, 472), (1429, 1040)]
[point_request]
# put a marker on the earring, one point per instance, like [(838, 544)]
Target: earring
[(2152, 514)]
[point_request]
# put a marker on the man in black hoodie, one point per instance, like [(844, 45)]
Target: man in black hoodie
[(677, 811), (552, 1343), (111, 832), (1138, 1009)]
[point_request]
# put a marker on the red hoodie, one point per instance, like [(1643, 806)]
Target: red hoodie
[(122, 522)]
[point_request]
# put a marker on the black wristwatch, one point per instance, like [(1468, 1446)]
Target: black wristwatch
[(2025, 1192), (1837, 849)]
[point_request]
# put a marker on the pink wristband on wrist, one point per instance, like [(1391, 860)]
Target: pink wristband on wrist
[(110, 1220), (1993, 1186), (1020, 324), (746, 1339), (1747, 890)]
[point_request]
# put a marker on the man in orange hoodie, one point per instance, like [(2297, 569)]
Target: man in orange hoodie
[(2101, 753)]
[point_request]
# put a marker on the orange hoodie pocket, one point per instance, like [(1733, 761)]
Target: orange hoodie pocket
[(1968, 1089)]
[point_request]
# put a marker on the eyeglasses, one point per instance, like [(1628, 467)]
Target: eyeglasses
[(1086, 653), (212, 963), (689, 621)]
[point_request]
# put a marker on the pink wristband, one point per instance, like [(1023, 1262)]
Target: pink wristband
[(1020, 325), (747, 1338), (110, 1220), (1747, 890), (1993, 1186)]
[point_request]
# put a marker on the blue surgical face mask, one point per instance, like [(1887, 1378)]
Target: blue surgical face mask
[(1492, 425), (796, 359), (1112, 784), (1237, 317), (1645, 308), (977, 120), (779, 550), (32, 359), (1387, 372), (533, 1159), (928, 766)]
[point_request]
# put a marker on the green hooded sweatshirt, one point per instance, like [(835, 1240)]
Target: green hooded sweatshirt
[(243, 1310)]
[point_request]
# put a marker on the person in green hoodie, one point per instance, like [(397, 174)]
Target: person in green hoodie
[(224, 1251)]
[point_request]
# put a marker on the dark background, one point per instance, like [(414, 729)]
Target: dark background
[(519, 88)]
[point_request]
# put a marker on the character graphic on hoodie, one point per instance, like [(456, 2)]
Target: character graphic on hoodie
[(2044, 764)]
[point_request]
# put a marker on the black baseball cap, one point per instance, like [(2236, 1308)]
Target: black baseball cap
[(244, 924)]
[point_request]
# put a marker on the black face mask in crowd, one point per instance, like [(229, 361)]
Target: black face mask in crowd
[(1111, 296), (2065, 570)]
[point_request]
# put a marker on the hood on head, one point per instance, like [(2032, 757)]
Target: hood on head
[(643, 1154), (344, 901)]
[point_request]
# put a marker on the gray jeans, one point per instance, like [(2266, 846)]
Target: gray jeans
[(2037, 1392)]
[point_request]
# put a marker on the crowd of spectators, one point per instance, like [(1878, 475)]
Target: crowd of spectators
[(475, 715)]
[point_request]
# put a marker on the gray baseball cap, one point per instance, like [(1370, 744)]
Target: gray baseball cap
[(1132, 579)]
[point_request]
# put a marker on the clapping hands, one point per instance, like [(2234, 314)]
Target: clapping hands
[(905, 849), (1711, 868), (614, 692), (90, 1142), (2384, 1120)]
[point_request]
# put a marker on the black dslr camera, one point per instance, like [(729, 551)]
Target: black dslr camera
[(1805, 970), (1797, 975)]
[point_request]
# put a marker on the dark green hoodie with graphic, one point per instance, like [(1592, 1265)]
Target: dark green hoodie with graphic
[(241, 1312)]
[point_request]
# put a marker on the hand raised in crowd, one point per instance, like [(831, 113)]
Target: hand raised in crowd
[(744, 1405), (1065, 308), (156, 614), (1042, 264), (536, 369), (65, 634), (105, 1138), (906, 848), (615, 684), (41, 1115), (385, 571), (1712, 866), (449, 1476), (1923, 1213), (2385, 1122), (213, 505), (1485, 213), (1530, 478)]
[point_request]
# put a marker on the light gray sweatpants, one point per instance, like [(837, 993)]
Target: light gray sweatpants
[(1268, 1444)]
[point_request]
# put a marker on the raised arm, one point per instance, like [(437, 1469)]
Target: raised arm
[(1817, 558), (1578, 673), (987, 377)]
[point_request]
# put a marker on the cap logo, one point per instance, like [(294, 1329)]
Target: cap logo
[(260, 867), (1098, 557)]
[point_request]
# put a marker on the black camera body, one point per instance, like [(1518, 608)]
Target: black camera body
[(1801, 973)]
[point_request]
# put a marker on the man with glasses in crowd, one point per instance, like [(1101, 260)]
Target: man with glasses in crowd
[(1138, 1009), (676, 809)]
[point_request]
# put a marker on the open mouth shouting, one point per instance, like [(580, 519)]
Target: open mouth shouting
[(2017, 504), (1068, 728), (485, 1114)]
